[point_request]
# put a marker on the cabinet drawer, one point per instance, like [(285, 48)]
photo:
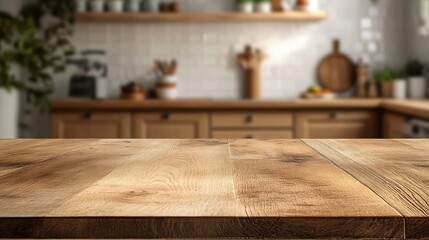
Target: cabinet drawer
[(252, 120), (171, 125), (91, 125), (286, 134), (336, 124)]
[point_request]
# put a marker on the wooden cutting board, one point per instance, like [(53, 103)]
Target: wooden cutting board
[(336, 71)]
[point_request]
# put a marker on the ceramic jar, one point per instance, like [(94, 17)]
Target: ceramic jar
[(116, 6), (82, 6), (417, 87), (133, 5), (246, 7), (151, 5), (263, 7), (97, 6), (400, 89), (167, 91)]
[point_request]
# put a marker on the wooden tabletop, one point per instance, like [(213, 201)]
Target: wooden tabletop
[(214, 189)]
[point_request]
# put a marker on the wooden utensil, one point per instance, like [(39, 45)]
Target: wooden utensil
[(251, 62), (166, 68), (336, 71)]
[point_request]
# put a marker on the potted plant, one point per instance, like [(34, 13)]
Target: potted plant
[(417, 81), (31, 51), (385, 78), (245, 6), (263, 6), (400, 84)]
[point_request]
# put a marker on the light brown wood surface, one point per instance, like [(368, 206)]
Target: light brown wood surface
[(415, 108), (91, 125), (214, 189), (171, 125), (396, 170), (199, 17), (336, 124), (393, 125)]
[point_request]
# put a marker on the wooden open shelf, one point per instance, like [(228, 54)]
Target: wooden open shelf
[(200, 17)]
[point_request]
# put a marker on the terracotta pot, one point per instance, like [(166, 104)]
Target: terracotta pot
[(387, 89)]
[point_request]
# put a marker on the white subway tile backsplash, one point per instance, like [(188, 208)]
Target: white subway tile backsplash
[(207, 51)]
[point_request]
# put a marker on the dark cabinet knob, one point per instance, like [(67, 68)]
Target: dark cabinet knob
[(334, 115), (249, 136), (166, 116), (88, 115), (249, 119)]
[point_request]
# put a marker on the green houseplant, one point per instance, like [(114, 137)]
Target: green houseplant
[(417, 82), (385, 78), (34, 45)]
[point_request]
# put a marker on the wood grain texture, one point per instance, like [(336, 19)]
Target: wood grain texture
[(287, 179), (38, 189), (175, 178), (215, 189), (396, 170), (18, 154)]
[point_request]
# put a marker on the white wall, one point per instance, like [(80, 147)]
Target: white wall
[(207, 51), (417, 44)]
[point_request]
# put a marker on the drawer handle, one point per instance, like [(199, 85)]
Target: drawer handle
[(88, 115), (334, 115), (249, 136), (166, 116), (249, 119)]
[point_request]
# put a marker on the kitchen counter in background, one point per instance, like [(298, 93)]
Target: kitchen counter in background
[(419, 108), (214, 189), (206, 104), (341, 118)]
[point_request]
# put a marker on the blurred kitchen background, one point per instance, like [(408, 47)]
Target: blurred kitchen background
[(186, 61)]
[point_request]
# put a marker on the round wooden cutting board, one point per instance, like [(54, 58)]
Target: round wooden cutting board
[(336, 71)]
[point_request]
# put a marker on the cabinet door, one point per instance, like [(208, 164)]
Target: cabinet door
[(393, 125), (90, 125), (336, 124), (169, 125)]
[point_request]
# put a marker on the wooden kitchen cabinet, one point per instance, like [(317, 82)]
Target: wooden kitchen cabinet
[(91, 125), (336, 124), (171, 125), (393, 125), (253, 134), (259, 119)]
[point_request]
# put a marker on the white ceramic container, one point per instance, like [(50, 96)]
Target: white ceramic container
[(116, 6), (168, 79), (167, 93), (313, 5), (82, 6), (400, 89), (151, 5), (134, 5), (263, 7), (246, 7), (9, 112), (417, 87), (97, 6)]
